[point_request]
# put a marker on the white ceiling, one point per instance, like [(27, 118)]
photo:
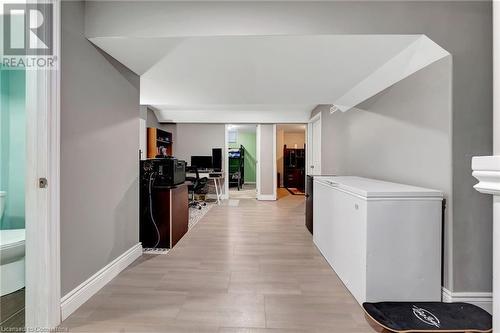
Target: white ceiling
[(258, 79), (232, 113)]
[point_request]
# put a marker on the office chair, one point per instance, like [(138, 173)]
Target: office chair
[(196, 187)]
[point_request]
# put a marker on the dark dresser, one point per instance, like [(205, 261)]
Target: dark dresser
[(171, 214)]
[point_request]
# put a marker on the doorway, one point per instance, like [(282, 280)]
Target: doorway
[(13, 123), (29, 196), (29, 192), (291, 159), (241, 160)]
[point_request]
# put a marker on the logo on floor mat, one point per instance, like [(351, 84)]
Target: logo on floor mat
[(426, 316)]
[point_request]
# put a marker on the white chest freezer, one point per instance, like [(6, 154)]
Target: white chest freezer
[(382, 239)]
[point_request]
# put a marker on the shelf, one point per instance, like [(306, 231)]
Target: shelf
[(156, 139)]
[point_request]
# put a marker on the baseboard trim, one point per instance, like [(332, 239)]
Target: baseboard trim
[(266, 197), (482, 299), (75, 298)]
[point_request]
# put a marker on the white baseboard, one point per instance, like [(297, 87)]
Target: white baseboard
[(482, 299), (266, 197), (75, 298)]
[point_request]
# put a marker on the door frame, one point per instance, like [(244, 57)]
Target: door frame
[(273, 196), (43, 269), (310, 142), (275, 163), (226, 162), (257, 162)]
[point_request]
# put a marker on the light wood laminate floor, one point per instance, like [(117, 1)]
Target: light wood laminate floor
[(251, 268), (246, 192)]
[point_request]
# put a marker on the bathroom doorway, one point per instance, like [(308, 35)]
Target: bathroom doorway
[(29, 193), (13, 124)]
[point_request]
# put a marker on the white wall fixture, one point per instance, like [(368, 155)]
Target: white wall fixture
[(486, 169)]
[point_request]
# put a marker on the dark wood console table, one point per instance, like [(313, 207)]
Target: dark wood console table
[(171, 213)]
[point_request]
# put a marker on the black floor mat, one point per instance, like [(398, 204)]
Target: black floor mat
[(429, 316)]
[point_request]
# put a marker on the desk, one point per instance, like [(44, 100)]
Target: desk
[(216, 177)]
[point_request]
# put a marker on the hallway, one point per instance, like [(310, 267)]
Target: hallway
[(246, 268)]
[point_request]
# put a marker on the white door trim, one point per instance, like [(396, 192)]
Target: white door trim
[(275, 164), (43, 286), (257, 162), (226, 162), (308, 148), (274, 195), (309, 145)]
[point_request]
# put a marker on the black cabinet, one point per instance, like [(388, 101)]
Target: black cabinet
[(170, 211), (309, 203)]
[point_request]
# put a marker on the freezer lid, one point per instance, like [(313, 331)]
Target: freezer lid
[(373, 188)]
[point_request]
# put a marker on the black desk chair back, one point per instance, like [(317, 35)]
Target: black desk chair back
[(196, 187)]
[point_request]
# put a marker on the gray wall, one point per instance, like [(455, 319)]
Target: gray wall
[(198, 139), (465, 30), (266, 160), (461, 27), (99, 154), (403, 134)]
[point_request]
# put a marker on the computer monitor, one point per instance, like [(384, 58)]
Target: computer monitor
[(217, 159), (201, 162)]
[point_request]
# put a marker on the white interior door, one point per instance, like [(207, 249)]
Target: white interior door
[(42, 207), (314, 146)]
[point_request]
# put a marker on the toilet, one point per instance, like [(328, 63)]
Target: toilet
[(3, 196), (12, 251)]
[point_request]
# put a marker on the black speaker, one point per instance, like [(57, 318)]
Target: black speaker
[(217, 159)]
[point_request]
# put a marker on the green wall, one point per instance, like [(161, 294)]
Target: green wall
[(13, 146), (249, 141)]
